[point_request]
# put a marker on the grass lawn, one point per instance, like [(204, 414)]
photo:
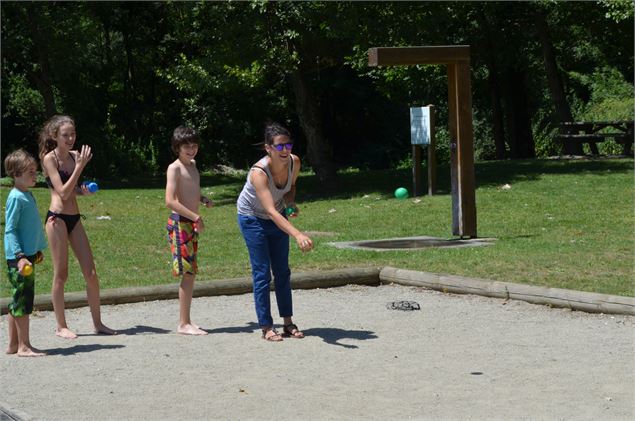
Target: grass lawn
[(563, 223)]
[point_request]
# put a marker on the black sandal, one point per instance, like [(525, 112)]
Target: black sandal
[(291, 330)]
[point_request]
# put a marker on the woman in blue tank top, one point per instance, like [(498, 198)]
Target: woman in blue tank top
[(268, 191)]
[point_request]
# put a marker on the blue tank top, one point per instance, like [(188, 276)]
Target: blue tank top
[(248, 203)]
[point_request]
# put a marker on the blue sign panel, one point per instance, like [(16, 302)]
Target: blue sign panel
[(420, 125)]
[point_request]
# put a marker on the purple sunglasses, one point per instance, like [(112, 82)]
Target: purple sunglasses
[(280, 146)]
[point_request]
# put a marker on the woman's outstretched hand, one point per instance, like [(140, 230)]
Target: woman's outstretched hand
[(304, 242)]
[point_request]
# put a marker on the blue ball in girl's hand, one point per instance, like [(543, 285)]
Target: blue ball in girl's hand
[(91, 186)]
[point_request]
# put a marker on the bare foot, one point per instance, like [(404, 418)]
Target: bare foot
[(104, 330), (31, 352), (12, 349), (190, 330), (65, 333)]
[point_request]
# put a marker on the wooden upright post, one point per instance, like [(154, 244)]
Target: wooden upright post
[(462, 149), (432, 155), (416, 170), (457, 58)]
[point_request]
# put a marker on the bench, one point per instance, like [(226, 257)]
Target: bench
[(591, 132)]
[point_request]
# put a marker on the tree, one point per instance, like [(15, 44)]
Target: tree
[(555, 80), (130, 72)]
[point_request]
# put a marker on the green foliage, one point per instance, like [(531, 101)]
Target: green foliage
[(24, 108), (484, 148), (130, 72), (443, 145), (618, 10), (611, 97), (406, 163), (544, 134), (25, 103)]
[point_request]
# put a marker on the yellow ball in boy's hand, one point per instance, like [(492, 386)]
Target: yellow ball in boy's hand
[(27, 270)]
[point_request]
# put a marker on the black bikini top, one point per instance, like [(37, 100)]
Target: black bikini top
[(64, 175)]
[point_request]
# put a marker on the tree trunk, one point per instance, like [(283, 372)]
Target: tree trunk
[(41, 75), (555, 81), (521, 141), (129, 81), (319, 151), (492, 34), (497, 112)]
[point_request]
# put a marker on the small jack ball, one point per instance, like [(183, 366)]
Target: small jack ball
[(27, 270), (290, 211), (401, 193)]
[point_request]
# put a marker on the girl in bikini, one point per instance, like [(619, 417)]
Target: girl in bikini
[(63, 167)]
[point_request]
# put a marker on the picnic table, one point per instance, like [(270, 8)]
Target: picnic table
[(592, 132)]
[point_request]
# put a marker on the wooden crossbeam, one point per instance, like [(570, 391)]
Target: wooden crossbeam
[(438, 54)]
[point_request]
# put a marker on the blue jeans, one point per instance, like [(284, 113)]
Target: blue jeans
[(268, 249)]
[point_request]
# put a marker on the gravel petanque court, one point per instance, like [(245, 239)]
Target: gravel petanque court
[(458, 357)]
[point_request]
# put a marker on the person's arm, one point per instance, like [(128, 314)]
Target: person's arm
[(171, 198), (65, 190), (289, 197), (12, 218), (261, 184)]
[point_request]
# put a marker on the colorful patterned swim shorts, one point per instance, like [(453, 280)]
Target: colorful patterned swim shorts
[(183, 242), (22, 292)]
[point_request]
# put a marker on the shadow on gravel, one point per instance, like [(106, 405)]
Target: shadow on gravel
[(249, 328), (142, 330), (332, 336), (79, 349)]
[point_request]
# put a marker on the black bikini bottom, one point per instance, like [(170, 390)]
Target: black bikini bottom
[(69, 220)]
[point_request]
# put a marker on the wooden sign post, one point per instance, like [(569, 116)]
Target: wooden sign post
[(422, 133), (457, 60)]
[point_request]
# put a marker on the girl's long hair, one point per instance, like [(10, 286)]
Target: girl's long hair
[(48, 133)]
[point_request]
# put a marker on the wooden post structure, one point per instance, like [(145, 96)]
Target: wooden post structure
[(432, 155), (457, 60), (416, 170), (432, 161)]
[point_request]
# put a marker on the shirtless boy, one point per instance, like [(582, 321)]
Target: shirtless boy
[(183, 196)]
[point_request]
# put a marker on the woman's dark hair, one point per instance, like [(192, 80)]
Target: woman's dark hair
[(183, 135), (274, 129)]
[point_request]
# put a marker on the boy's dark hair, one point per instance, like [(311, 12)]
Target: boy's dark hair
[(274, 129), (183, 135), (17, 162)]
